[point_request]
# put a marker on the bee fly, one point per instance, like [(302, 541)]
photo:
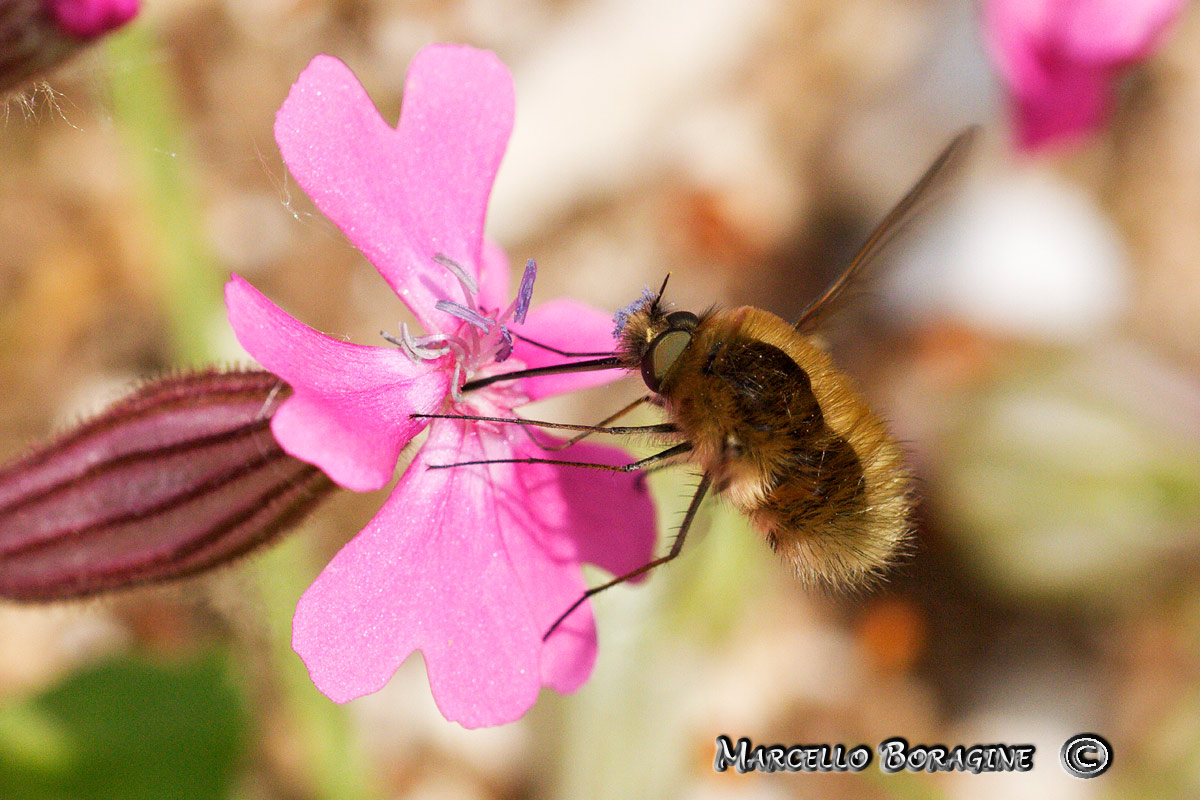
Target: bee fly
[(773, 424)]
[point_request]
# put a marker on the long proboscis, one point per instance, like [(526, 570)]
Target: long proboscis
[(945, 167), (609, 362)]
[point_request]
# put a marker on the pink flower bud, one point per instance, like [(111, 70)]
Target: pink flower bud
[(182, 476)]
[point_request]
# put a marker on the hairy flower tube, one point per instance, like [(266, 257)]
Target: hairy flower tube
[(181, 477), (471, 564), (1060, 60)]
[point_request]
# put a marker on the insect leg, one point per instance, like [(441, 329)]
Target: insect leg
[(676, 547), (599, 426), (670, 452), (662, 427)]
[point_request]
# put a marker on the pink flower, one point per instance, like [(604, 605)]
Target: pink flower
[(88, 19), (470, 565), (1060, 59)]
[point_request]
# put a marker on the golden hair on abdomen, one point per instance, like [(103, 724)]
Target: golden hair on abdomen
[(790, 442)]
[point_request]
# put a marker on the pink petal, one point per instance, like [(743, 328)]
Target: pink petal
[(495, 293), (349, 414), (571, 326), (404, 194), (603, 518), (611, 514), (1115, 32), (1016, 32), (431, 572), (1074, 101), (472, 566)]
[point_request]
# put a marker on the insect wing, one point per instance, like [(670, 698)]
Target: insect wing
[(918, 198)]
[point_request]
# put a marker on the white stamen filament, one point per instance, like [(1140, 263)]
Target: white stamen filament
[(481, 322), (467, 281), (426, 344), (508, 312), (399, 341)]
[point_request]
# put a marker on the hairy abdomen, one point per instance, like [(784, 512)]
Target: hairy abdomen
[(787, 440)]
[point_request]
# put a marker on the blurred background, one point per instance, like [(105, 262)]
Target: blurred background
[(1036, 344)]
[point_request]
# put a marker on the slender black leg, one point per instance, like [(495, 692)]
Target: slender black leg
[(677, 546), (641, 476), (662, 427), (670, 452), (553, 448)]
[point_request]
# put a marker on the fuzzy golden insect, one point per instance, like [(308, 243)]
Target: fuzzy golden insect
[(780, 432), (772, 423)]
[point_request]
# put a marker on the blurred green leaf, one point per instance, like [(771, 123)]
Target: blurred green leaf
[(1061, 481), (129, 729)]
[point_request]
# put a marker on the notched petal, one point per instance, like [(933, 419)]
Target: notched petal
[(404, 194), (429, 572), (182, 476), (566, 518)]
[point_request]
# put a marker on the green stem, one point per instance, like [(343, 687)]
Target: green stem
[(146, 110)]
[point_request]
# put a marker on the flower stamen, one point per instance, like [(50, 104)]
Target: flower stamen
[(425, 348), (520, 305), (465, 314), (404, 345), (429, 341), (525, 293), (469, 285), (504, 347)]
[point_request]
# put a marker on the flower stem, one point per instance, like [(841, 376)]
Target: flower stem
[(145, 104), (146, 108)]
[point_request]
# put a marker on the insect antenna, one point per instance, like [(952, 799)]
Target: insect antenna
[(661, 289), (676, 547), (611, 362)]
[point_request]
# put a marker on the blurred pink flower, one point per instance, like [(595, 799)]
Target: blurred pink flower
[(470, 565), (88, 19), (1060, 59), (38, 35)]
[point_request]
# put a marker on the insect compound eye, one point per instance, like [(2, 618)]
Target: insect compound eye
[(682, 320), (662, 354)]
